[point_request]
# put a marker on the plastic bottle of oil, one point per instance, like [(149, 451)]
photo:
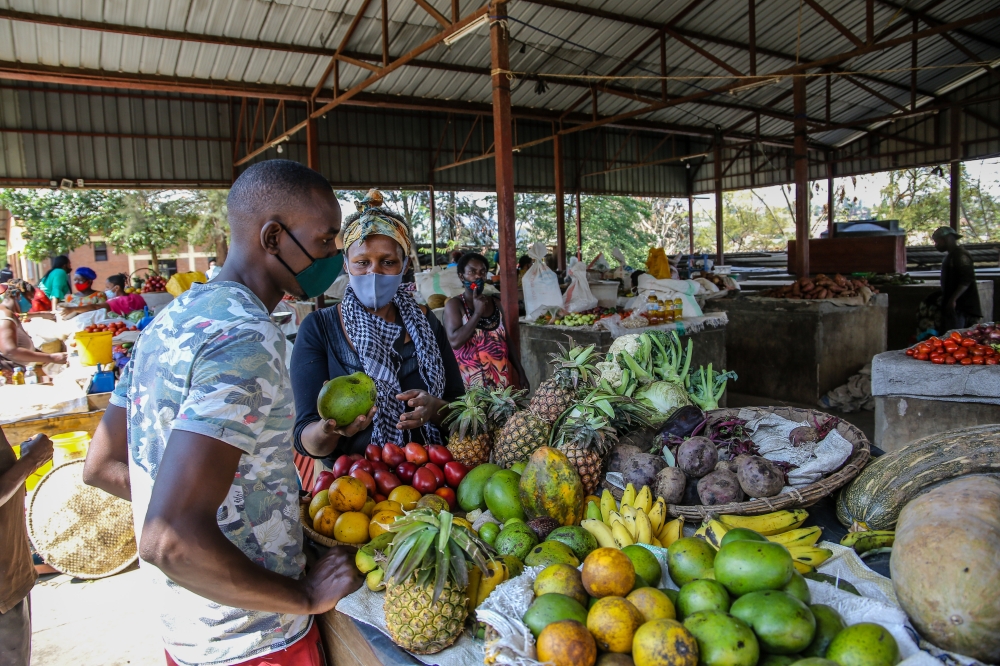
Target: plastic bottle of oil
[(678, 307), (17, 377)]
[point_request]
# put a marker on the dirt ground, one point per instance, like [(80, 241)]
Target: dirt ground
[(94, 623)]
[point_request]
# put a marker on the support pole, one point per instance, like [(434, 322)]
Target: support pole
[(831, 203), (312, 145), (690, 224), (504, 161), (434, 233), (579, 228), (719, 235), (752, 28), (560, 205), (955, 200), (801, 178)]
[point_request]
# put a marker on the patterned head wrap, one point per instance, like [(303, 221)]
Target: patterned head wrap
[(86, 273), (374, 218)]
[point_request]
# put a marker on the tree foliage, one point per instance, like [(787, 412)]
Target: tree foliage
[(151, 221), (211, 226), (58, 221)]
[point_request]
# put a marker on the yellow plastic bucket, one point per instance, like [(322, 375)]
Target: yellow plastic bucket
[(94, 348), (69, 446), (32, 480)]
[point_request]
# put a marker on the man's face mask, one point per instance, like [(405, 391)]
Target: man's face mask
[(319, 275), (376, 290)]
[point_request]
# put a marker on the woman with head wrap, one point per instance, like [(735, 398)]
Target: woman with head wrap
[(378, 329), (86, 298), (16, 348)]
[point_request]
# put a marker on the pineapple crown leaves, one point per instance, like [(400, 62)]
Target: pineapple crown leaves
[(588, 430), (574, 365), (595, 420), (503, 404), (430, 546), (471, 410)]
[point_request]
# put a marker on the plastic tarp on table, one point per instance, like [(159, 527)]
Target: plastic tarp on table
[(894, 373)]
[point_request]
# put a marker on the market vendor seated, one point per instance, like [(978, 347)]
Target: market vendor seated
[(477, 332), (86, 298), (16, 347), (118, 301), (380, 330)]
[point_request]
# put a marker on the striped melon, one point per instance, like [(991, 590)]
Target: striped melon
[(879, 492)]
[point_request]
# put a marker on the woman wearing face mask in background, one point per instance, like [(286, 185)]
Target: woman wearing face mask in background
[(378, 329), (477, 333), (86, 298)]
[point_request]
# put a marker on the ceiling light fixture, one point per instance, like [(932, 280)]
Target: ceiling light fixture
[(467, 30)]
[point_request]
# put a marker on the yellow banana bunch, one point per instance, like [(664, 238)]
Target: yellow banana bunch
[(810, 555), (621, 535), (638, 518), (714, 533), (644, 500), (803, 536), (628, 511), (802, 567), (768, 524), (628, 496), (605, 538), (671, 531), (608, 505), (701, 532), (657, 515)]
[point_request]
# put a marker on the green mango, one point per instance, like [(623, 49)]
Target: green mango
[(470, 489), (501, 495), (723, 640), (551, 552), (798, 588), (864, 644), (701, 595), (783, 624), (749, 566), (828, 625), (550, 608), (578, 539), (517, 540)]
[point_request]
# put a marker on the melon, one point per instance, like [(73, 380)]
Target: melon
[(550, 486), (945, 569)]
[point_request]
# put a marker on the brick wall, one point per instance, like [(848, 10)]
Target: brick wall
[(84, 256)]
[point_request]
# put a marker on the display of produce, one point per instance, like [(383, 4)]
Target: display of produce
[(155, 283), (974, 347), (944, 566), (115, 327), (821, 286), (585, 318), (875, 498)]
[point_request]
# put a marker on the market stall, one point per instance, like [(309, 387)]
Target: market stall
[(915, 397), (904, 303), (796, 349)]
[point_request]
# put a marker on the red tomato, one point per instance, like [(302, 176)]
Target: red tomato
[(424, 481), (950, 346), (448, 495), (342, 466), (937, 358), (911, 351), (386, 481), (362, 464), (323, 482), (956, 336), (405, 471), (392, 455), (921, 356), (968, 342), (437, 472), (934, 340), (365, 478), (923, 348), (438, 454), (454, 472), (978, 360), (950, 360), (373, 452), (961, 353), (966, 361), (378, 465), (415, 454), (991, 360)]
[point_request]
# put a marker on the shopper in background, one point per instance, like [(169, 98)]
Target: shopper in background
[(213, 270), (55, 283), (960, 306), (16, 348), (86, 298), (6, 274), (118, 301), (17, 571)]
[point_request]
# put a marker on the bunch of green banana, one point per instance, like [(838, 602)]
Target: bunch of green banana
[(370, 558), (637, 519), (781, 527), (869, 542)]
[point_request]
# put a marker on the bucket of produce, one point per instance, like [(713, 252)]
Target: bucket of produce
[(94, 348), (70, 446)]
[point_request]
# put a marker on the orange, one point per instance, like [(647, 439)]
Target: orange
[(407, 496), (608, 572), (381, 522), (653, 604), (348, 494), (325, 520), (388, 505), (613, 621), (351, 527), (322, 499), (566, 643)]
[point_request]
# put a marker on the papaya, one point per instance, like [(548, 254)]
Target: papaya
[(550, 486)]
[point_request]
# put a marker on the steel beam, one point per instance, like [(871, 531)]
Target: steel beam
[(560, 203), (719, 230), (802, 212), (955, 185), (433, 212), (579, 227), (504, 142), (924, 15), (829, 18)]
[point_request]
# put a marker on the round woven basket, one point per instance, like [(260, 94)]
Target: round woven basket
[(316, 536), (80, 530), (797, 497)]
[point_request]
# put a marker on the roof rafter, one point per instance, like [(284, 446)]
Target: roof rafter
[(924, 16), (829, 18)]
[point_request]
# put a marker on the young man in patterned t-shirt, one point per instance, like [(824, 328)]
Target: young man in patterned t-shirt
[(198, 437)]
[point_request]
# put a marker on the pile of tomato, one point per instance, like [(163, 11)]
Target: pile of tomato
[(956, 348), (115, 327)]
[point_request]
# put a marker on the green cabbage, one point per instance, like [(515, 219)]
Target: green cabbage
[(663, 398)]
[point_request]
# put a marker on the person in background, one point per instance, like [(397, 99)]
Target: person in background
[(17, 571), (213, 269), (960, 307), (117, 300), (55, 283), (477, 334), (378, 329), (87, 298), (201, 442), (6, 274), (634, 278), (455, 256), (16, 347)]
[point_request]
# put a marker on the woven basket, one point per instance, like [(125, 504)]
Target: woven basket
[(80, 530), (797, 497), (316, 536)]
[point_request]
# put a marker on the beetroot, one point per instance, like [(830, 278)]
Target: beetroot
[(697, 456), (670, 483), (719, 487), (759, 477)]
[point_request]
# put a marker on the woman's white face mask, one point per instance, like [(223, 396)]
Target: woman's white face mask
[(376, 290)]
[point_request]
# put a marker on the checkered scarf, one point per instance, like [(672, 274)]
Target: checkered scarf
[(373, 339)]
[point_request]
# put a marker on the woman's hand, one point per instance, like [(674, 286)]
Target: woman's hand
[(59, 358), (330, 427), (479, 304), (426, 409)]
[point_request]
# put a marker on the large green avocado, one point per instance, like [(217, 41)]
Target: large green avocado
[(501, 495), (345, 398), (553, 607), (749, 566), (723, 640), (470, 489), (783, 624)]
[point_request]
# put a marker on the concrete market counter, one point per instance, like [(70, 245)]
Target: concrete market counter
[(538, 342), (915, 399), (798, 350)]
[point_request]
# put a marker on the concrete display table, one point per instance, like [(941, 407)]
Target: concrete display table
[(914, 399), (905, 299), (798, 350), (538, 342)]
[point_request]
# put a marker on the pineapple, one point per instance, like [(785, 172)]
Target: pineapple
[(524, 432), (503, 404), (470, 441), (427, 574), (556, 394)]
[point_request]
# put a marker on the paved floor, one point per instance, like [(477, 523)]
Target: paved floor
[(93, 623)]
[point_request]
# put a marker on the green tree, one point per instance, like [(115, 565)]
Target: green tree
[(59, 221), (211, 221), (151, 221)]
